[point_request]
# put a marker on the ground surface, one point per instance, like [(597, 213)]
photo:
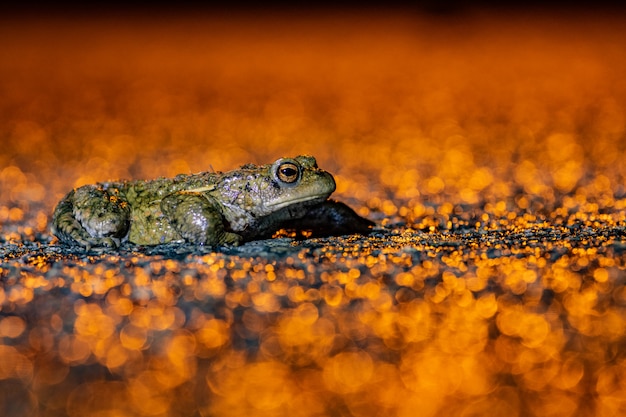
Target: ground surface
[(488, 148)]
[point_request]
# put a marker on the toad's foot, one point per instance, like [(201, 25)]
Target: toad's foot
[(91, 217)]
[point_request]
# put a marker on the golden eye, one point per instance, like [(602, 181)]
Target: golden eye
[(288, 172)]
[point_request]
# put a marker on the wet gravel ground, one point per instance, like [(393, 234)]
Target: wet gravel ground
[(493, 283)]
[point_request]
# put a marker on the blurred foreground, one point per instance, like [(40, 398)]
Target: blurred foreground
[(488, 148)]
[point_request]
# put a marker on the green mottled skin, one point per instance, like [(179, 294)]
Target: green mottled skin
[(206, 208)]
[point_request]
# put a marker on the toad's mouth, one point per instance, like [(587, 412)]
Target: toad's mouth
[(310, 199)]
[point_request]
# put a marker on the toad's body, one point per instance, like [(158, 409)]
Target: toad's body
[(207, 208)]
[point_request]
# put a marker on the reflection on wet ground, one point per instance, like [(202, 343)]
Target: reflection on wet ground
[(487, 148)]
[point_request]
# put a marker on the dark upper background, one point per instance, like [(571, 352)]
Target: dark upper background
[(434, 7)]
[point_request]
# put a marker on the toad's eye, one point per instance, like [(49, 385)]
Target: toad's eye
[(288, 172)]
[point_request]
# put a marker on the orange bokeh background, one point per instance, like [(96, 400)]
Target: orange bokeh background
[(500, 123)]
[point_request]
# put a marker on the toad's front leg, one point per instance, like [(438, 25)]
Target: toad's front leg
[(197, 219), (91, 216)]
